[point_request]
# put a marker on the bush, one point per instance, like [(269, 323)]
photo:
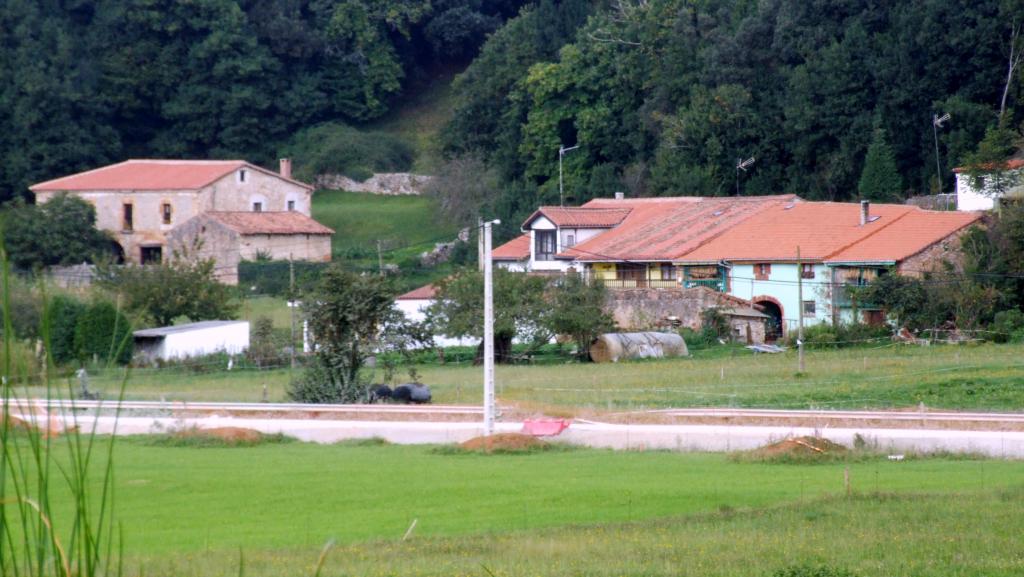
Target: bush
[(103, 333), (63, 316), (812, 571), (333, 148), (1008, 326), (264, 350), (843, 335)]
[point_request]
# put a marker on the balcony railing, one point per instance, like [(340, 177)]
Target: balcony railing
[(632, 283), (716, 284)]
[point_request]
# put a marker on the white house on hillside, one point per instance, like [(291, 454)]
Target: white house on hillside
[(970, 198)]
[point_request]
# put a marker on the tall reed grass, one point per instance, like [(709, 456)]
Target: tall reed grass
[(46, 459)]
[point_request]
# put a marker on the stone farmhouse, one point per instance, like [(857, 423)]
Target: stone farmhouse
[(671, 258), (236, 209)]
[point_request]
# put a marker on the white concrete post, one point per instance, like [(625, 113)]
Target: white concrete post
[(488, 331)]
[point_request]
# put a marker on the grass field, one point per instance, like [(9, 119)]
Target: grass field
[(189, 511), (968, 377)]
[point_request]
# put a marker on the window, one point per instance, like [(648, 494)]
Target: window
[(668, 271), (165, 212), (807, 271), (127, 223), (570, 240), (242, 175), (544, 248), (257, 207), (808, 308), (762, 271), (150, 254), (291, 206)]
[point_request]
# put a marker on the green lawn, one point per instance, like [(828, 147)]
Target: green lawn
[(966, 377), (188, 511)]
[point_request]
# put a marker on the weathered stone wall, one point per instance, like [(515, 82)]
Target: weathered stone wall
[(947, 250), (739, 326), (390, 183), (642, 309)]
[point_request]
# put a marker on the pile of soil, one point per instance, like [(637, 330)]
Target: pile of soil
[(504, 443), (229, 435), (801, 447)]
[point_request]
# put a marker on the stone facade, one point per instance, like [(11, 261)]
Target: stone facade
[(389, 183), (140, 220), (934, 257), (228, 247), (643, 309)]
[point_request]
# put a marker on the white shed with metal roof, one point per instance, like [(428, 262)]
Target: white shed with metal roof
[(192, 340)]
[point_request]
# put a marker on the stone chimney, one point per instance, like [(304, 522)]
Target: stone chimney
[(286, 167), (865, 210), (620, 195)]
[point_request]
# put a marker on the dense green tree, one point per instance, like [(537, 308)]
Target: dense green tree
[(578, 311), (61, 231), (103, 334), (879, 180)]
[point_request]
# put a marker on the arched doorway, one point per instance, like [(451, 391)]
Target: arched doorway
[(773, 328)]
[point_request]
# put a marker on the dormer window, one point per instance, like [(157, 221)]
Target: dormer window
[(544, 245)]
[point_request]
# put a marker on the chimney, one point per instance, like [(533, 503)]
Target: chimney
[(620, 195), (865, 209), (286, 167)]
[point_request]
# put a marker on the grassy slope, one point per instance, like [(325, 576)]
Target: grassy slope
[(177, 502), (982, 377)]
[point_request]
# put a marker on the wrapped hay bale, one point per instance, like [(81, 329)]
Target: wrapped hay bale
[(613, 347)]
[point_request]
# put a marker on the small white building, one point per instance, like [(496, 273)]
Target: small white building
[(413, 305), (970, 198), (192, 340)]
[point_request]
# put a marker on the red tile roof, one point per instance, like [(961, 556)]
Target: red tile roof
[(1012, 164), (830, 231), (269, 222), (423, 293), (516, 249), (580, 217), (151, 175), (658, 229)]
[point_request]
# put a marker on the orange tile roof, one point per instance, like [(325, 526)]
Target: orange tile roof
[(269, 222), (1012, 164), (515, 249), (669, 227), (151, 175), (422, 293), (580, 217), (913, 233), (831, 231)]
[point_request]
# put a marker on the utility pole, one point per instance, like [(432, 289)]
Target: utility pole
[(480, 244), (488, 330), (561, 152), (380, 259), (800, 311), (936, 123), (291, 304)]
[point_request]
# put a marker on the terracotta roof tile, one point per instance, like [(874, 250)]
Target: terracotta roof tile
[(269, 222), (422, 293), (826, 231), (667, 228), (151, 175), (580, 217), (516, 249)]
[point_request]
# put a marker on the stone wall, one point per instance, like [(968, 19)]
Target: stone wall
[(933, 258), (642, 309), (391, 184)]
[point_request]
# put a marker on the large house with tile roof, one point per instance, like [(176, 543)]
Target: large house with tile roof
[(763, 250), (243, 209)]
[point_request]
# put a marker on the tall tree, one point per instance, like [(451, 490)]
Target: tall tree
[(880, 180)]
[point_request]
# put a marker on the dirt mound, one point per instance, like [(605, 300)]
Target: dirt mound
[(229, 435), (504, 443), (801, 447)]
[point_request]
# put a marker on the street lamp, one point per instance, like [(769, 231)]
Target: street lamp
[(937, 122), (742, 165), (561, 152)]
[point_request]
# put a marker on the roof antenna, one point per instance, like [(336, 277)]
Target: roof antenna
[(742, 165)]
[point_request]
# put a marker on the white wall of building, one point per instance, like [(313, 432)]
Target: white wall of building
[(231, 338), (415, 311)]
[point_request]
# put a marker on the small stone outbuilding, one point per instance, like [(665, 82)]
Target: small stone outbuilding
[(231, 237)]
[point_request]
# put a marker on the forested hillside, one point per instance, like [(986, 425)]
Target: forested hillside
[(662, 96), (84, 82)]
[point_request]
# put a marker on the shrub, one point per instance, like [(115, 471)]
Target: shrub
[(103, 333), (63, 316), (264, 351), (843, 335), (812, 571), (333, 148), (1008, 326), (273, 277)]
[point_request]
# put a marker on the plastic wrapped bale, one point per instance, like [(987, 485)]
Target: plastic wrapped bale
[(613, 347)]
